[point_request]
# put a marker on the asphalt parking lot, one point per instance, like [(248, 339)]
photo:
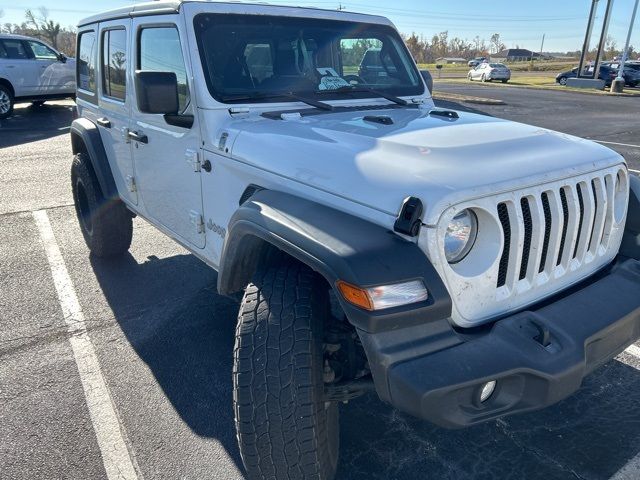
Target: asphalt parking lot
[(163, 340)]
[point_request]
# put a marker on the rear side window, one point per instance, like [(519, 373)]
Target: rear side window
[(3, 52), (87, 62), (15, 49), (114, 64), (160, 51)]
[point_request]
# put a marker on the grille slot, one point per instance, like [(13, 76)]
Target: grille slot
[(528, 228), (547, 230), (503, 216)]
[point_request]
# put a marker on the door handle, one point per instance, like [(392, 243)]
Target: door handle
[(104, 122), (138, 137)]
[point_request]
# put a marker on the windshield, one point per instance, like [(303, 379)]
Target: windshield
[(259, 56)]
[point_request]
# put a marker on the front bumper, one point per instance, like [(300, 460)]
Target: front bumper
[(538, 356)]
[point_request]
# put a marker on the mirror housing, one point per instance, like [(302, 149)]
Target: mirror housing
[(62, 58), (428, 80), (157, 92)]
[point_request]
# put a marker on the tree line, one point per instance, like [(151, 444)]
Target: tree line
[(424, 50)]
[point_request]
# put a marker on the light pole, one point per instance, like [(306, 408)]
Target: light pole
[(619, 81)]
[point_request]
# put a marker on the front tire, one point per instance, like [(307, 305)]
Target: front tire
[(483, 78), (505, 80), (562, 81), (106, 224), (285, 428), (6, 102)]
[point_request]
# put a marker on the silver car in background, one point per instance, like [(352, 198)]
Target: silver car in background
[(487, 72)]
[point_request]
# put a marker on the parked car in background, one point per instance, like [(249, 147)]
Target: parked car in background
[(631, 73), (606, 73), (31, 70), (487, 72), (477, 61)]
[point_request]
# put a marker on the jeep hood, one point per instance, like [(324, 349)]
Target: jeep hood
[(442, 161)]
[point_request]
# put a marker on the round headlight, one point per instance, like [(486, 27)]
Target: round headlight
[(461, 235)]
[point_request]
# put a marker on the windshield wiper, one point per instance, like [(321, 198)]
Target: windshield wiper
[(289, 95), (356, 89)]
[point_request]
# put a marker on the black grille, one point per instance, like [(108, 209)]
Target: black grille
[(503, 215), (547, 230), (528, 227), (565, 223), (581, 220)]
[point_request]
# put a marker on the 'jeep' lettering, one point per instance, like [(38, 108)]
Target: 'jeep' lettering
[(216, 228)]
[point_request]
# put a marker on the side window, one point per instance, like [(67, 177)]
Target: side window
[(41, 51), (87, 62), (15, 49), (114, 63), (3, 51), (159, 50)]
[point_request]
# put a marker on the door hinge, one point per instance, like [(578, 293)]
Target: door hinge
[(198, 221), (192, 157), (131, 183)]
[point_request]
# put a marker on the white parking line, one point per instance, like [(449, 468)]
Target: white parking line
[(633, 350), (115, 455), (631, 471), (616, 143)]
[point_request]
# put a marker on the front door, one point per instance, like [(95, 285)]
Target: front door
[(167, 162), (115, 98), (47, 68)]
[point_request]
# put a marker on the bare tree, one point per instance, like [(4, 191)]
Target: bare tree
[(496, 43), (44, 27)]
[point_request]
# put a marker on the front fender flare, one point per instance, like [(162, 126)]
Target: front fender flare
[(338, 246)]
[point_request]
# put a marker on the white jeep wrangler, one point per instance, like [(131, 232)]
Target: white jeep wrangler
[(376, 248)]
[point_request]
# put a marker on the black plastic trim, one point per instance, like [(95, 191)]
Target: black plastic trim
[(337, 245), (538, 356), (631, 238)]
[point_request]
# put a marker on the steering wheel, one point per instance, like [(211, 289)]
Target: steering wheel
[(354, 79)]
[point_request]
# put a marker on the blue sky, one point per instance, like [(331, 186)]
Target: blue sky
[(519, 22)]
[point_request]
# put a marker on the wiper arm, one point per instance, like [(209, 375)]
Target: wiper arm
[(378, 93), (289, 95)]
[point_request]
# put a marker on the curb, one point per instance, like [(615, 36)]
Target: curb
[(467, 98)]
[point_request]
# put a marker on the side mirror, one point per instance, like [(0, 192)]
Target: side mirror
[(428, 80), (62, 58), (157, 92)]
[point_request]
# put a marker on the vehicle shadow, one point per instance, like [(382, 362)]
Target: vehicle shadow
[(30, 123), (183, 330)]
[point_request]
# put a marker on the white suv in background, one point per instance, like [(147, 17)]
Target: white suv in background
[(31, 70)]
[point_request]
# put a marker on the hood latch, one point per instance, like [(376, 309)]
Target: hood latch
[(408, 221)]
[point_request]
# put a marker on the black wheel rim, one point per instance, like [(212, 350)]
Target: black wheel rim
[(84, 210)]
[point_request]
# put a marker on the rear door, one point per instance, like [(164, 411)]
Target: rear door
[(167, 165), (114, 102)]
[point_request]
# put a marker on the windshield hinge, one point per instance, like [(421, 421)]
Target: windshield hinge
[(197, 221), (239, 111)]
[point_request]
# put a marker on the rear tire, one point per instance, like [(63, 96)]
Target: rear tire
[(38, 103), (505, 81), (106, 224), (6, 102), (483, 78), (285, 428)]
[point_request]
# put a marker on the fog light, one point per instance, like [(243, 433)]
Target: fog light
[(487, 390)]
